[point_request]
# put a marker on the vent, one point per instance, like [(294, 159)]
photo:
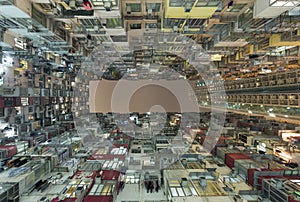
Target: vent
[(184, 182)]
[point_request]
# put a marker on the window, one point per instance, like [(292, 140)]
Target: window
[(1, 112), (181, 3), (176, 3), (133, 7), (113, 22), (151, 25), (171, 23), (135, 26), (208, 3), (155, 7), (8, 102), (30, 109)]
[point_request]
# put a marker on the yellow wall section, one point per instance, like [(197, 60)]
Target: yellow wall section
[(237, 56), (251, 49), (196, 12), (275, 40)]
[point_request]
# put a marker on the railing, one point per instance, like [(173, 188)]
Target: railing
[(277, 79)]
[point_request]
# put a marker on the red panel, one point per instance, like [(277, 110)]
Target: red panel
[(31, 101), (110, 175), (42, 101), (251, 176), (11, 150), (87, 5), (231, 157), (98, 199), (1, 102)]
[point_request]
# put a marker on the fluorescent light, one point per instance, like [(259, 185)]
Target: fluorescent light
[(276, 3), (283, 48), (272, 115), (279, 3), (291, 4)]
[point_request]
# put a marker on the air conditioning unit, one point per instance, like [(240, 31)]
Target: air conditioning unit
[(128, 10), (184, 182), (188, 7), (72, 4), (107, 5), (175, 28), (186, 28), (149, 11)]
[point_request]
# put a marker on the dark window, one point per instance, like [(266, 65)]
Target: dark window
[(135, 26), (151, 25)]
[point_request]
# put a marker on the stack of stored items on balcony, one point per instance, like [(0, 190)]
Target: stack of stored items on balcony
[(79, 185), (255, 175), (106, 186), (109, 161), (278, 189), (9, 150)]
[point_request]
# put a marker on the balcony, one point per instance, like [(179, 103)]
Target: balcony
[(281, 99)]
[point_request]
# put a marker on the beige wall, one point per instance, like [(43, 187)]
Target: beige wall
[(143, 6), (24, 5), (141, 96)]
